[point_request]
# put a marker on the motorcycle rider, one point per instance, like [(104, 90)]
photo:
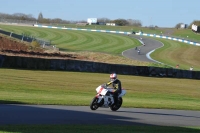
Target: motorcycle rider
[(116, 84)]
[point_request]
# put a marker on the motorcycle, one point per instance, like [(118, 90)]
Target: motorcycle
[(104, 98)]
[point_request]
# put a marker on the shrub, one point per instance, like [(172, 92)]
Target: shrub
[(35, 44)]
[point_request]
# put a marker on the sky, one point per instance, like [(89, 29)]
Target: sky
[(161, 13)]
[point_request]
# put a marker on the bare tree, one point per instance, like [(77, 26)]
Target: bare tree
[(178, 25), (104, 20), (56, 20), (40, 17), (136, 23)]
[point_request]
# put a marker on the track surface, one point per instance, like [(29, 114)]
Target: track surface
[(150, 45), (54, 114)]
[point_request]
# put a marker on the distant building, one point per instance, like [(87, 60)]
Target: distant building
[(101, 23), (91, 21), (195, 28), (183, 26), (110, 24)]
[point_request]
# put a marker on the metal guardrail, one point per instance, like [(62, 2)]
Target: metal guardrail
[(20, 37), (43, 43), (169, 38)]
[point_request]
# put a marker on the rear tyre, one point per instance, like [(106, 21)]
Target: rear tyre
[(117, 105), (94, 105)]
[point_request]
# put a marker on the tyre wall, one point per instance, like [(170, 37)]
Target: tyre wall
[(16, 62)]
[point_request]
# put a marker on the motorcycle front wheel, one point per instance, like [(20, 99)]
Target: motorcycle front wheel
[(94, 104), (117, 105)]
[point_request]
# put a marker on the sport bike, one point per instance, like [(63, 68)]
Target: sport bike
[(104, 98)]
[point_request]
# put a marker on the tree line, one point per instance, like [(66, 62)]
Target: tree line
[(119, 22), (41, 19)]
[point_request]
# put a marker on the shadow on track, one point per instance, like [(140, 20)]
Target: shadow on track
[(34, 118)]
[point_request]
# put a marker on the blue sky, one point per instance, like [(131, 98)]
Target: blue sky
[(163, 13)]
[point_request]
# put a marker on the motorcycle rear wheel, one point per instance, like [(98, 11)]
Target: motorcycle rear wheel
[(117, 105), (94, 104)]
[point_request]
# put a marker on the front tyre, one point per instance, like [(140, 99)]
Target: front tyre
[(117, 105), (94, 104)]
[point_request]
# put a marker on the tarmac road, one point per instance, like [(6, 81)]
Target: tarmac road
[(150, 45), (54, 114)]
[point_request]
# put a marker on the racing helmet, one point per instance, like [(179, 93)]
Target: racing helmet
[(113, 77)]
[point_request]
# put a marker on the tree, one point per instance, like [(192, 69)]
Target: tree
[(136, 23), (56, 20), (40, 17), (196, 22), (45, 20), (104, 20), (121, 22), (178, 25)]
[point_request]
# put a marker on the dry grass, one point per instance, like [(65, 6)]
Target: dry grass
[(108, 58)]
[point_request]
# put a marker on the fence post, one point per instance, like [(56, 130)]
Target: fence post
[(22, 37), (10, 34)]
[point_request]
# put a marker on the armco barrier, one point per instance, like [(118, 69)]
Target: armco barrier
[(170, 38), (122, 32), (86, 66), (20, 37), (105, 31), (25, 37)]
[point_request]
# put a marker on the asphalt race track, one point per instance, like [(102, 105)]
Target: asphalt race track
[(54, 114), (150, 45)]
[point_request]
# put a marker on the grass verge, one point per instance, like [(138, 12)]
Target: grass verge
[(63, 88), (95, 128)]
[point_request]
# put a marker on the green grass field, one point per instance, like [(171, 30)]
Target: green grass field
[(187, 34), (171, 54), (95, 129), (79, 40), (174, 52), (180, 33), (62, 88)]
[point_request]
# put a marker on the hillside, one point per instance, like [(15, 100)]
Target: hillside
[(14, 47)]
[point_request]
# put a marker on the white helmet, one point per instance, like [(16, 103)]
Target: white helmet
[(113, 77)]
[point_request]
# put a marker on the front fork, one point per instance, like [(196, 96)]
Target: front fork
[(99, 98)]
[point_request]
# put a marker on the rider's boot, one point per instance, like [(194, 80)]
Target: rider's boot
[(115, 99)]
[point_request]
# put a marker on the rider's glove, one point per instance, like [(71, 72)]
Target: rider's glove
[(106, 85)]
